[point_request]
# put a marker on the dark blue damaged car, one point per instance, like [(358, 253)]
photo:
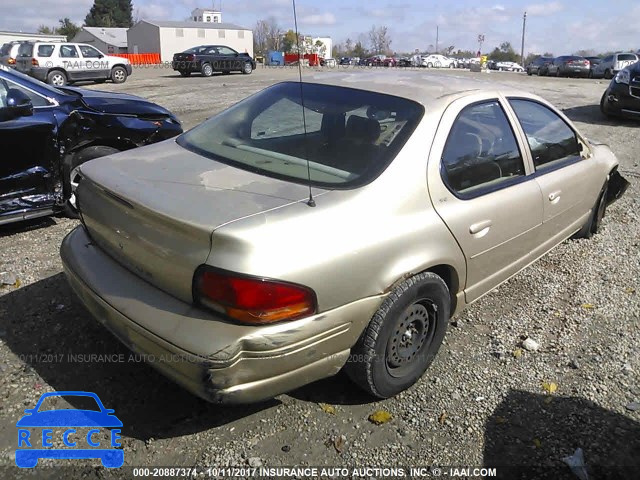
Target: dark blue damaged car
[(46, 132)]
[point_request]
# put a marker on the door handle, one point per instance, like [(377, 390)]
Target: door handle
[(480, 229), (555, 196)]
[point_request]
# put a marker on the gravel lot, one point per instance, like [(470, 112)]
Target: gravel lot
[(483, 402)]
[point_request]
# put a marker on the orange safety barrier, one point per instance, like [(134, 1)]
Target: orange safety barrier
[(140, 58)]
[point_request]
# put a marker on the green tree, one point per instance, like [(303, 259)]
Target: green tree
[(67, 28), (110, 13), (289, 42), (359, 50), (46, 30), (504, 53)]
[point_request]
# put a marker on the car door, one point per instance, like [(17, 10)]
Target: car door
[(229, 58), (72, 64), (480, 185), (29, 146), (97, 67), (563, 166)]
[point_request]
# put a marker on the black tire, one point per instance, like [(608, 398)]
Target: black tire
[(380, 363), (247, 68), (558, 74), (57, 78), (607, 74), (77, 159), (529, 72), (206, 70), (185, 73), (118, 74), (592, 225)]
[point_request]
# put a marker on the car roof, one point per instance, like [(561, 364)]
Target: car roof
[(420, 87)]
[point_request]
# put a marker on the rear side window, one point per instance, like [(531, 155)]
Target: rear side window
[(551, 140), (481, 153), (45, 50)]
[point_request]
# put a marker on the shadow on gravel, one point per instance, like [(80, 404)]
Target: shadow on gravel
[(26, 226), (48, 329), (592, 114), (336, 390), (527, 438)]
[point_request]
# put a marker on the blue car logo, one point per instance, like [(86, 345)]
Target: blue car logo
[(32, 447)]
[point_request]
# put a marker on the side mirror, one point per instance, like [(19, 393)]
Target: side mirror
[(18, 104), (100, 55)]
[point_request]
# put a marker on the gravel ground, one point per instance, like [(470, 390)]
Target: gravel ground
[(487, 400)]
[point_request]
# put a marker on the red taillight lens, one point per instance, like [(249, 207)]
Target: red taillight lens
[(190, 58), (34, 62), (11, 61), (252, 300)]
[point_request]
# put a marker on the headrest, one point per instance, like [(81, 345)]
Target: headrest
[(364, 129)]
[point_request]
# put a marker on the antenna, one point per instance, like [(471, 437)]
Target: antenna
[(311, 202)]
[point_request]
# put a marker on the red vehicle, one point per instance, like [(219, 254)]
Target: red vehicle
[(375, 61), (390, 62)]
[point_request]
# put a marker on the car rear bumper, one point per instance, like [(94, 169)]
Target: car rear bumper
[(619, 101), (38, 72), (217, 360)]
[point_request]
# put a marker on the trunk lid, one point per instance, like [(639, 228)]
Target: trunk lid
[(153, 209)]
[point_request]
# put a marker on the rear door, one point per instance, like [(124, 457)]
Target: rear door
[(563, 168), (480, 185), (30, 155), (71, 62)]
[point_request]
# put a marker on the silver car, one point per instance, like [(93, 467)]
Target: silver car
[(265, 249), (612, 64)]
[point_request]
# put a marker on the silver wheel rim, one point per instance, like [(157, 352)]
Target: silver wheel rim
[(119, 75), (57, 80), (207, 70), (74, 180), (247, 68)]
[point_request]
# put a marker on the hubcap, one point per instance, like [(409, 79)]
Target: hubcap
[(57, 80), (411, 336), (74, 179), (119, 75)]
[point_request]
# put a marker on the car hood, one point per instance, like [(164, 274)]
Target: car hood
[(117, 103)]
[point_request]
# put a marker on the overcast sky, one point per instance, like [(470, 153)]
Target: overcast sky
[(559, 27)]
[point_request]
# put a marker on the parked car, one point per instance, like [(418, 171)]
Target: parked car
[(346, 61), (390, 62), (622, 97), (593, 63), (9, 53), (536, 65), (60, 63), (509, 67), (438, 61), (375, 60), (328, 62), (46, 132), (611, 65), (569, 66), (260, 253), (207, 59), (419, 61), (405, 62)]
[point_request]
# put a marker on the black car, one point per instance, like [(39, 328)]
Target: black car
[(539, 66), (622, 97), (46, 132), (207, 59), (346, 61)]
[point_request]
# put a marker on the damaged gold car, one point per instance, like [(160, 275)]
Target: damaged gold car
[(338, 222)]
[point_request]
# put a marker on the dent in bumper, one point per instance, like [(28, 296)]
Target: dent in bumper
[(218, 361)]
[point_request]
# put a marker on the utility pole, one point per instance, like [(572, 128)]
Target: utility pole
[(524, 24), (437, 32)]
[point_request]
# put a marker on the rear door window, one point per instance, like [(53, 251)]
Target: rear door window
[(68, 51), (551, 140), (45, 50), (481, 153)]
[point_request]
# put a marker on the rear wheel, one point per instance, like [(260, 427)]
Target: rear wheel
[(118, 75), (57, 78), (595, 219), (402, 338), (247, 69), (71, 174), (607, 74), (206, 70)]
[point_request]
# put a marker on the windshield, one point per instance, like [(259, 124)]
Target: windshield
[(351, 135)]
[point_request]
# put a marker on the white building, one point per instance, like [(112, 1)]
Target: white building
[(168, 37), (6, 37), (324, 51), (107, 40), (205, 15)]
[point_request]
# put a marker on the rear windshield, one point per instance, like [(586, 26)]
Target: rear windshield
[(351, 135), (627, 56), (25, 50)]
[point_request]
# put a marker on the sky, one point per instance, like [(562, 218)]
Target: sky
[(559, 27)]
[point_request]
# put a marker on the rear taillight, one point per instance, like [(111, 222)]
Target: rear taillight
[(190, 58), (11, 61), (251, 300), (34, 62)]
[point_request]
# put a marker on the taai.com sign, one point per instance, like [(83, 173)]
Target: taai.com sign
[(69, 433)]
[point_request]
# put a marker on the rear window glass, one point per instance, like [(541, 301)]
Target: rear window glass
[(25, 50), (6, 48), (627, 56), (351, 135), (197, 50), (45, 50)]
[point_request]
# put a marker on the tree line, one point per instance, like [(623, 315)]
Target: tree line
[(103, 13)]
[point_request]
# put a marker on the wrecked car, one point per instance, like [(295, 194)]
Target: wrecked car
[(622, 97), (337, 223), (50, 131)]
